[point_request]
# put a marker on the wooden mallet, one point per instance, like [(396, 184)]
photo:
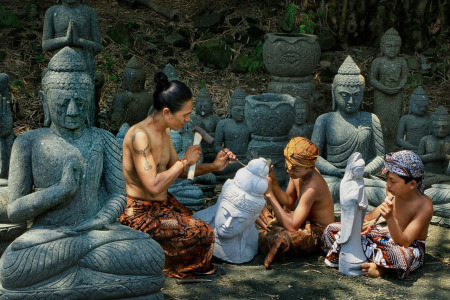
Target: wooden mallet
[(199, 135)]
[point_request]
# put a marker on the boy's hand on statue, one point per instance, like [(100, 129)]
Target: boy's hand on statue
[(192, 154), (224, 158), (269, 190), (70, 178), (272, 174), (386, 208)]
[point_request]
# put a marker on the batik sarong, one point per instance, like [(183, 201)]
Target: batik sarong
[(188, 243), (277, 242), (379, 248)]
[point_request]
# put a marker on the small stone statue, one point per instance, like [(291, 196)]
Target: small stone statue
[(233, 133), (434, 149), (74, 24), (354, 205), (132, 105), (348, 130), (301, 127), (68, 178), (234, 215), (414, 126), (6, 129), (170, 72), (388, 76), (206, 119)]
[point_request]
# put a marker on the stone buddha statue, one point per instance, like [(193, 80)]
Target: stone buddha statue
[(233, 216), (204, 118), (6, 129), (68, 178), (354, 204), (233, 133), (170, 72), (388, 76), (301, 127), (73, 24), (414, 126), (132, 105), (434, 149), (339, 134)]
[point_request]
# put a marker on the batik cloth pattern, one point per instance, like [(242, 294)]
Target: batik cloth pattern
[(405, 163), (277, 242), (188, 243), (300, 152), (379, 248)]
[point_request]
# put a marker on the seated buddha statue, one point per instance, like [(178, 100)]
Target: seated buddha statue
[(339, 134), (68, 179)]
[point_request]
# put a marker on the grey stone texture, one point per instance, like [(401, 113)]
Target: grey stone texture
[(68, 179), (388, 76), (301, 126), (348, 130)]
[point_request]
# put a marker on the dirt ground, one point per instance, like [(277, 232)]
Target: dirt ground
[(310, 278)]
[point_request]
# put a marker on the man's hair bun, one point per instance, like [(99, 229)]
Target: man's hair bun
[(162, 82)]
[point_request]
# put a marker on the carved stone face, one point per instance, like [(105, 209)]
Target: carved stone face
[(358, 168), (230, 221), (301, 113), (419, 105), (440, 128), (391, 47), (204, 108), (237, 113), (348, 98), (68, 108)]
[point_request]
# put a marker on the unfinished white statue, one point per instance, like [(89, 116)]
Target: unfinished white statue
[(354, 204), (234, 215)]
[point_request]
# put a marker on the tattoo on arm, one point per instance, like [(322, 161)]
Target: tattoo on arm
[(147, 166)]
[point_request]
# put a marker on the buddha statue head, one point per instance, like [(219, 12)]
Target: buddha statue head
[(301, 107), (390, 43), (418, 102), (67, 89), (203, 103), (440, 123), (348, 87), (170, 72), (236, 105), (240, 207), (134, 76)]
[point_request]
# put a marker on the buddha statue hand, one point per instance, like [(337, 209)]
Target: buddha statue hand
[(97, 223), (69, 35), (70, 178), (337, 172), (391, 90)]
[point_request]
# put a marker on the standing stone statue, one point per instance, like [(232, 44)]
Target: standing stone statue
[(301, 127), (68, 178), (132, 105), (233, 216), (6, 129), (434, 149), (388, 76), (233, 133), (348, 130), (74, 24), (354, 205), (414, 126), (206, 119), (170, 72)]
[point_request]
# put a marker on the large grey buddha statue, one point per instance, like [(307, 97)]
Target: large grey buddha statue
[(414, 126), (301, 127), (233, 216), (348, 130), (434, 149), (132, 105), (68, 178), (206, 119), (233, 133)]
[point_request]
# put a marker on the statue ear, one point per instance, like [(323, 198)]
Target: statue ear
[(47, 119)]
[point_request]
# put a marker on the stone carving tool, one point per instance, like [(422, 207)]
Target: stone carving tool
[(199, 135)]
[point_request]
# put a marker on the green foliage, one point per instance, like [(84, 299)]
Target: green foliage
[(17, 85), (114, 78), (123, 48), (39, 59), (289, 16), (201, 84), (308, 26), (108, 64), (254, 62), (8, 19)]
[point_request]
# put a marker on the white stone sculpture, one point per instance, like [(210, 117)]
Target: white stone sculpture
[(234, 215), (354, 204)]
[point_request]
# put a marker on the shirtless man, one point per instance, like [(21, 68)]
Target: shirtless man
[(304, 226), (407, 211), (151, 165)]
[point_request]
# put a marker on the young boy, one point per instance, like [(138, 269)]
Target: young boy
[(297, 232), (407, 211)]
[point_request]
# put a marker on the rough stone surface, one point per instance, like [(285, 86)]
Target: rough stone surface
[(68, 178), (354, 203), (348, 130), (215, 53), (233, 216)]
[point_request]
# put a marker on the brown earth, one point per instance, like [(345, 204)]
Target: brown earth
[(300, 278)]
